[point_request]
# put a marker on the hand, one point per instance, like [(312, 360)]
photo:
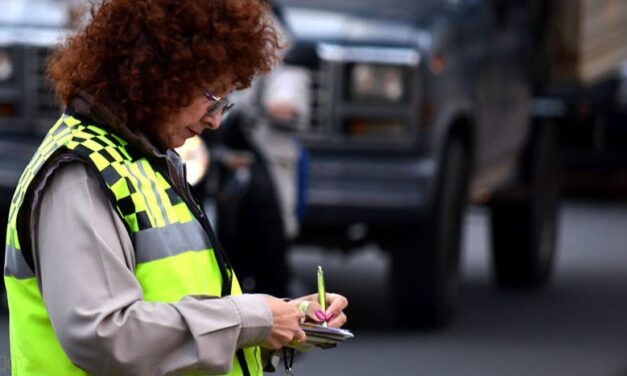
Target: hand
[(285, 328), (334, 315)]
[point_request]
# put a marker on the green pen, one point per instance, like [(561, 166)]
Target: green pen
[(322, 294)]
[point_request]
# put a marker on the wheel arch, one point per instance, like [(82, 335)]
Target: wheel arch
[(455, 121), (462, 127)]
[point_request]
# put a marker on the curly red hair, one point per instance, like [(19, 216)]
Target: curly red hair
[(144, 59)]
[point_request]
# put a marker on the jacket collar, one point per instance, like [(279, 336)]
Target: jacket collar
[(85, 105)]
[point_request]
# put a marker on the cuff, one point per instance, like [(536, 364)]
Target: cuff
[(256, 319)]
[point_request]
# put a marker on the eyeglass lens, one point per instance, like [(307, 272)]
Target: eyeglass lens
[(222, 105)]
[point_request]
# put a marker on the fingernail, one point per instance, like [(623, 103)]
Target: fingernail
[(320, 315), (329, 316)]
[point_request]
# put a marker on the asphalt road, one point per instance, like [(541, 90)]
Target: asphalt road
[(578, 326)]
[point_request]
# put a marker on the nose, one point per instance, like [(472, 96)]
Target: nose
[(213, 120)]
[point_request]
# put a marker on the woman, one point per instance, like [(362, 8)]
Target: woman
[(112, 267)]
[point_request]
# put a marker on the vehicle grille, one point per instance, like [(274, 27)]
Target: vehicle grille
[(29, 92), (320, 100), (44, 106)]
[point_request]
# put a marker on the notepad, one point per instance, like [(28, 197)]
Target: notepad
[(321, 336)]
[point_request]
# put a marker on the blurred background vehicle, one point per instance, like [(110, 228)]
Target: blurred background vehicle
[(420, 105), (593, 136), (417, 109)]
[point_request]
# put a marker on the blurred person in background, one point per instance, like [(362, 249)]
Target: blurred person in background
[(112, 267), (263, 175)]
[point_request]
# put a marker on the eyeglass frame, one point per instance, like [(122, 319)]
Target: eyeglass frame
[(218, 103)]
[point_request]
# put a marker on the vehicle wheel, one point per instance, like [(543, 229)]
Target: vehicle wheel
[(425, 261), (524, 225)]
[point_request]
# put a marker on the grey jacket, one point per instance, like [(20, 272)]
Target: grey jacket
[(85, 262)]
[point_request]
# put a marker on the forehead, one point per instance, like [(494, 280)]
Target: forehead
[(221, 85)]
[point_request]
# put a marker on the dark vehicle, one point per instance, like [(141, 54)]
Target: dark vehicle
[(27, 103), (420, 106), (592, 127)]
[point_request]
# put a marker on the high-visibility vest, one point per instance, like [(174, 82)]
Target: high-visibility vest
[(171, 239)]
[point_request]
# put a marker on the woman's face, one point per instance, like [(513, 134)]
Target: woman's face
[(191, 120)]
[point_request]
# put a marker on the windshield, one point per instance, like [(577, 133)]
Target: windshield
[(395, 9)]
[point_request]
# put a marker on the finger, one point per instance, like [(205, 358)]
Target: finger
[(315, 313), (338, 321), (337, 303), (296, 313), (319, 316), (282, 336), (310, 310), (273, 344), (303, 308), (299, 337)]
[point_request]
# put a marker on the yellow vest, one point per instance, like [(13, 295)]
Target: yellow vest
[(157, 218)]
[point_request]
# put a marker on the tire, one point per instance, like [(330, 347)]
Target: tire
[(425, 261), (524, 226)]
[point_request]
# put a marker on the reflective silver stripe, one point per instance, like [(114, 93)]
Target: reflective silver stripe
[(157, 243), (137, 182), (155, 192), (15, 265), (61, 130)]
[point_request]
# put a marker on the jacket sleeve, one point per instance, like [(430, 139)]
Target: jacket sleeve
[(85, 265)]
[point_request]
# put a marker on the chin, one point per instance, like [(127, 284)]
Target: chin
[(173, 144)]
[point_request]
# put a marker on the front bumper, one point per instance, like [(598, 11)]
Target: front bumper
[(375, 191)]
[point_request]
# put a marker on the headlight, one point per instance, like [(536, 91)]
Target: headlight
[(6, 65), (382, 82), (196, 157)]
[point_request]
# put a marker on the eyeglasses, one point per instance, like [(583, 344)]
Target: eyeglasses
[(218, 105)]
